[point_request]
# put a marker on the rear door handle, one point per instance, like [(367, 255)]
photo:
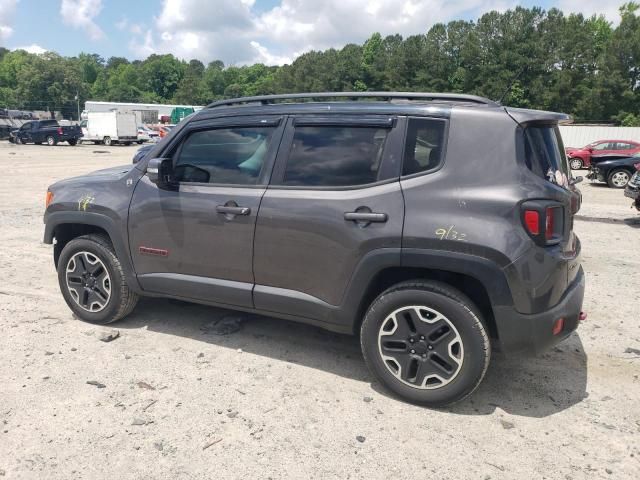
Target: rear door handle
[(367, 217), (233, 210)]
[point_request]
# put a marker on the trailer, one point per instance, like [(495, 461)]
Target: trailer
[(110, 128)]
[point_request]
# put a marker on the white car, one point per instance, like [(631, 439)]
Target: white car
[(145, 134)]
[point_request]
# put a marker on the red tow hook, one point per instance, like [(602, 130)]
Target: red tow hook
[(583, 316)]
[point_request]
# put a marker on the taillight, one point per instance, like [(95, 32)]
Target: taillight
[(532, 221), (59, 130), (549, 223), (544, 221)]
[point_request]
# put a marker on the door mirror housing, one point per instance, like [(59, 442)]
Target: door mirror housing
[(159, 171)]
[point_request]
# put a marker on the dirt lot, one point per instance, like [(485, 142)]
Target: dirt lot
[(277, 399)]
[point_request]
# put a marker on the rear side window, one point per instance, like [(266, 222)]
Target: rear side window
[(224, 156), (48, 123), (425, 145), (334, 156), (545, 154)]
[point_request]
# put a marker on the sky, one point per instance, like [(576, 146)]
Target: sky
[(237, 32)]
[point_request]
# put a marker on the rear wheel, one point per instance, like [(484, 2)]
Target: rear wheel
[(51, 141), (575, 163), (425, 341), (618, 178), (107, 141), (92, 281)]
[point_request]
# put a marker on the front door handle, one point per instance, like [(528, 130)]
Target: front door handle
[(366, 217), (233, 210)]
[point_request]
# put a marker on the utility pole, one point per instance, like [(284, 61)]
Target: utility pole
[(78, 105)]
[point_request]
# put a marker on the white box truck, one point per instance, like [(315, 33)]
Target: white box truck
[(110, 128)]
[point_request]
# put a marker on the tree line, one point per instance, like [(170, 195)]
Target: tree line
[(528, 57)]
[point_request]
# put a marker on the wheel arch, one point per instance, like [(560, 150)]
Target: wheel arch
[(65, 226), (480, 279)]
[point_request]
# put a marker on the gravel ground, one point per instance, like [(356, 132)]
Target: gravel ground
[(275, 399)]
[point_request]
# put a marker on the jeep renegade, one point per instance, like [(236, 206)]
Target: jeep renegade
[(434, 226)]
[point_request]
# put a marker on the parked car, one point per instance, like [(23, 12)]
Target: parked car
[(632, 190), (613, 169), (581, 157), (142, 151), (146, 134), (359, 217), (164, 130), (45, 131)]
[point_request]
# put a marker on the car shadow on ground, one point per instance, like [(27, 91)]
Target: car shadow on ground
[(532, 387)]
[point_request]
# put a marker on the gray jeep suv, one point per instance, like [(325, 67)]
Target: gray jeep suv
[(434, 226)]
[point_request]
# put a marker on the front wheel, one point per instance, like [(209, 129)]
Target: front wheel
[(107, 141), (426, 342), (51, 141), (575, 163), (618, 178), (73, 142), (92, 281)]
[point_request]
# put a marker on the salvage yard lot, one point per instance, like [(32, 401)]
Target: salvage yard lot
[(277, 399)]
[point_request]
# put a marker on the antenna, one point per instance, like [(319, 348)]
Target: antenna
[(513, 80)]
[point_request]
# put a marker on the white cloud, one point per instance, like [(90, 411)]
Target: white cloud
[(7, 11), (237, 32), (81, 14), (33, 48), (608, 8)]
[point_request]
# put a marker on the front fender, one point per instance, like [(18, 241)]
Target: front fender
[(54, 220)]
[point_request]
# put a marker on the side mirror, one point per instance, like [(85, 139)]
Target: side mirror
[(159, 172)]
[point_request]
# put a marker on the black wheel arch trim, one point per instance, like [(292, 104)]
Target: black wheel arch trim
[(55, 219)]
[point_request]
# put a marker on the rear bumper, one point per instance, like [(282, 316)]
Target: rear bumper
[(532, 334)]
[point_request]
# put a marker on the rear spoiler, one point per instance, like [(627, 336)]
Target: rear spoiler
[(524, 115)]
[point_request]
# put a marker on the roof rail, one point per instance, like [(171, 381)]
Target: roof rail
[(388, 96)]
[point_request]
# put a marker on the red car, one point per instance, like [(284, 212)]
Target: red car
[(581, 157)]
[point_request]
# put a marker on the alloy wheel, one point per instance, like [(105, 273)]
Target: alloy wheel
[(575, 164), (620, 179), (88, 281), (421, 347)]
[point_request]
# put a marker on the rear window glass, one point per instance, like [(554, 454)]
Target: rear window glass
[(425, 144), (545, 154), (48, 123), (330, 156)]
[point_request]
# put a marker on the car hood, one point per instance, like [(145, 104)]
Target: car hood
[(106, 174)]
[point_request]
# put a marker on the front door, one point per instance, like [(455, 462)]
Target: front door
[(196, 241), (334, 197)]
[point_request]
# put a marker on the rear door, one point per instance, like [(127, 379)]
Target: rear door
[(334, 197), (196, 241)]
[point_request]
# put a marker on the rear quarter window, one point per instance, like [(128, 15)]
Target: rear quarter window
[(544, 154)]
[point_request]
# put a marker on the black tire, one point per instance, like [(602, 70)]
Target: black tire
[(616, 178), (576, 163), (38, 143), (140, 142), (107, 141), (121, 300), (51, 141), (73, 142), (468, 337)]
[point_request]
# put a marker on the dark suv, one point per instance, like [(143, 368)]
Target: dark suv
[(434, 226)]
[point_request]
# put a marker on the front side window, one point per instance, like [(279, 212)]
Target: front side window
[(603, 146), (223, 156), (334, 156), (425, 144)]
